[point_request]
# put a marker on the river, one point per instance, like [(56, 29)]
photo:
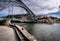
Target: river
[(44, 32)]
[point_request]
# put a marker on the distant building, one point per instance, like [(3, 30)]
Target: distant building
[(19, 16)]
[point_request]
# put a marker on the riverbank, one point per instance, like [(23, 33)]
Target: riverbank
[(41, 19)]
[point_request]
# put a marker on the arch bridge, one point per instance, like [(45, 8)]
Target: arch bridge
[(16, 3)]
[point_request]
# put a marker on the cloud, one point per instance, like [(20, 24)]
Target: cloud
[(43, 6), (38, 7)]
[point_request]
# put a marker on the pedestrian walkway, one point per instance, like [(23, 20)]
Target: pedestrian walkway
[(7, 34)]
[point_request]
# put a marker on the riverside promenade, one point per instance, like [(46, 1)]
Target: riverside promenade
[(7, 34), (12, 32)]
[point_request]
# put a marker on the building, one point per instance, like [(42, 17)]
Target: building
[(18, 16)]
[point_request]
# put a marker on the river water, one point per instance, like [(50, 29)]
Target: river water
[(44, 32)]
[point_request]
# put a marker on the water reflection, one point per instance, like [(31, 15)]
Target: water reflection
[(44, 32)]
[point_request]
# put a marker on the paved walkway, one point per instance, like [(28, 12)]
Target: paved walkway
[(7, 34)]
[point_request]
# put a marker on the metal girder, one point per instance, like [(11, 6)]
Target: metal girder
[(17, 3), (5, 3), (27, 9), (3, 6)]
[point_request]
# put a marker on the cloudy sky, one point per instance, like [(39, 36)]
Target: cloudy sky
[(39, 7)]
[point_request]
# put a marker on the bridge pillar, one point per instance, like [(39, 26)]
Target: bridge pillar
[(7, 22)]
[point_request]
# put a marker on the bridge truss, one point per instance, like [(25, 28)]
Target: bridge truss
[(18, 3)]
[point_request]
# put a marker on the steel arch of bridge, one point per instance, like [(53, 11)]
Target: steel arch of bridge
[(17, 3)]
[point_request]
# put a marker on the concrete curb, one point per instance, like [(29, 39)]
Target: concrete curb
[(25, 33)]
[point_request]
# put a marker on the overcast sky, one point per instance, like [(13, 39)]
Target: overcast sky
[(39, 7), (43, 6)]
